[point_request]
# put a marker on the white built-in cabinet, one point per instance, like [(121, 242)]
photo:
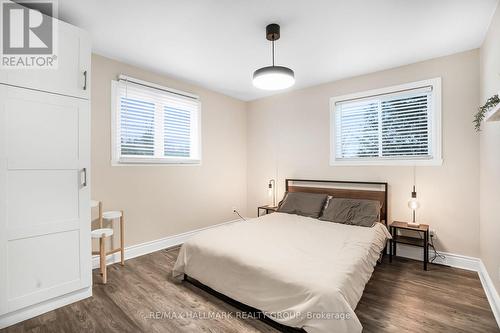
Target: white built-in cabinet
[(45, 252), (73, 68)]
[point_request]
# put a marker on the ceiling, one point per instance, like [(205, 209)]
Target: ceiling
[(219, 43)]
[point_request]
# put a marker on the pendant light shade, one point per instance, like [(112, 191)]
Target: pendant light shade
[(273, 77), (413, 203)]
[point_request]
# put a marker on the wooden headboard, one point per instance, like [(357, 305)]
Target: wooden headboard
[(343, 189)]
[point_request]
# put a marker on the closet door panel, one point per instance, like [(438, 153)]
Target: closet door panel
[(33, 277), (40, 197), (3, 206), (44, 196), (41, 134)]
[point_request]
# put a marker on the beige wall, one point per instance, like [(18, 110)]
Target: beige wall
[(490, 156), (288, 135), (166, 200)]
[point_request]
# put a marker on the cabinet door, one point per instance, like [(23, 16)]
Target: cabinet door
[(72, 75), (44, 196)]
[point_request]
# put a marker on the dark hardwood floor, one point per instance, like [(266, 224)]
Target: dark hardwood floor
[(400, 297)]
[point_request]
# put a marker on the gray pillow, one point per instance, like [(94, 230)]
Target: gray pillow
[(301, 203), (352, 211)]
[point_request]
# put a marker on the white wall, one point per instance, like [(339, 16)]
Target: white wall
[(160, 201), (490, 156), (288, 136)]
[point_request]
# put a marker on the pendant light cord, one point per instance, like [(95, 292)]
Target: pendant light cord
[(273, 52), (414, 174)]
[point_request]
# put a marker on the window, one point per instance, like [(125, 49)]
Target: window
[(390, 126), (154, 124)]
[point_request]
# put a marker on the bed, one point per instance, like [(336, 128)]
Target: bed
[(302, 273)]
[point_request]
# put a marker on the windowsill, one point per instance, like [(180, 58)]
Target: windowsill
[(433, 162), (155, 162)]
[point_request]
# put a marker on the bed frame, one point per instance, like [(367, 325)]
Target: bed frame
[(336, 188), (343, 189)]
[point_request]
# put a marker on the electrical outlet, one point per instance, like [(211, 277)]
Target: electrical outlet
[(433, 233), (234, 209)]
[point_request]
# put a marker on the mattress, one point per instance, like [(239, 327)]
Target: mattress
[(301, 272)]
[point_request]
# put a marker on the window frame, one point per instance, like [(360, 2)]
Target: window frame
[(118, 160), (435, 121)]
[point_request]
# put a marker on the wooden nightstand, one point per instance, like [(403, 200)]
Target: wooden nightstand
[(266, 208), (414, 241)]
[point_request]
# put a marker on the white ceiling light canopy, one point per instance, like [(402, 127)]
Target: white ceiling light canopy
[(273, 77)]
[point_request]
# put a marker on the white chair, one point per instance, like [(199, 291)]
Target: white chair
[(102, 233)]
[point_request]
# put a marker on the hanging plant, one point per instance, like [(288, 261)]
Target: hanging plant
[(482, 110)]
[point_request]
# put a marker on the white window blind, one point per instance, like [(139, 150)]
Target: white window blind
[(389, 126), (154, 125)]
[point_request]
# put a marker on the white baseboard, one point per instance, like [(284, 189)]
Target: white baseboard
[(463, 262), (491, 292), (153, 246), (450, 259), (40, 308)]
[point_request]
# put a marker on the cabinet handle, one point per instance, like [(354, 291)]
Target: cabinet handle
[(84, 80), (84, 170)]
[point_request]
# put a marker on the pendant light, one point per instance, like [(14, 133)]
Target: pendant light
[(273, 77), (413, 203), (272, 192)]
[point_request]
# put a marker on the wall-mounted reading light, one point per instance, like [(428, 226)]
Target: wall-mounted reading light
[(272, 191)]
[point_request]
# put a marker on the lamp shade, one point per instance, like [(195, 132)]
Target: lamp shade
[(273, 78), (413, 203)]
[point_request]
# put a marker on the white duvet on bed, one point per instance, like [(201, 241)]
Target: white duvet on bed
[(301, 271)]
